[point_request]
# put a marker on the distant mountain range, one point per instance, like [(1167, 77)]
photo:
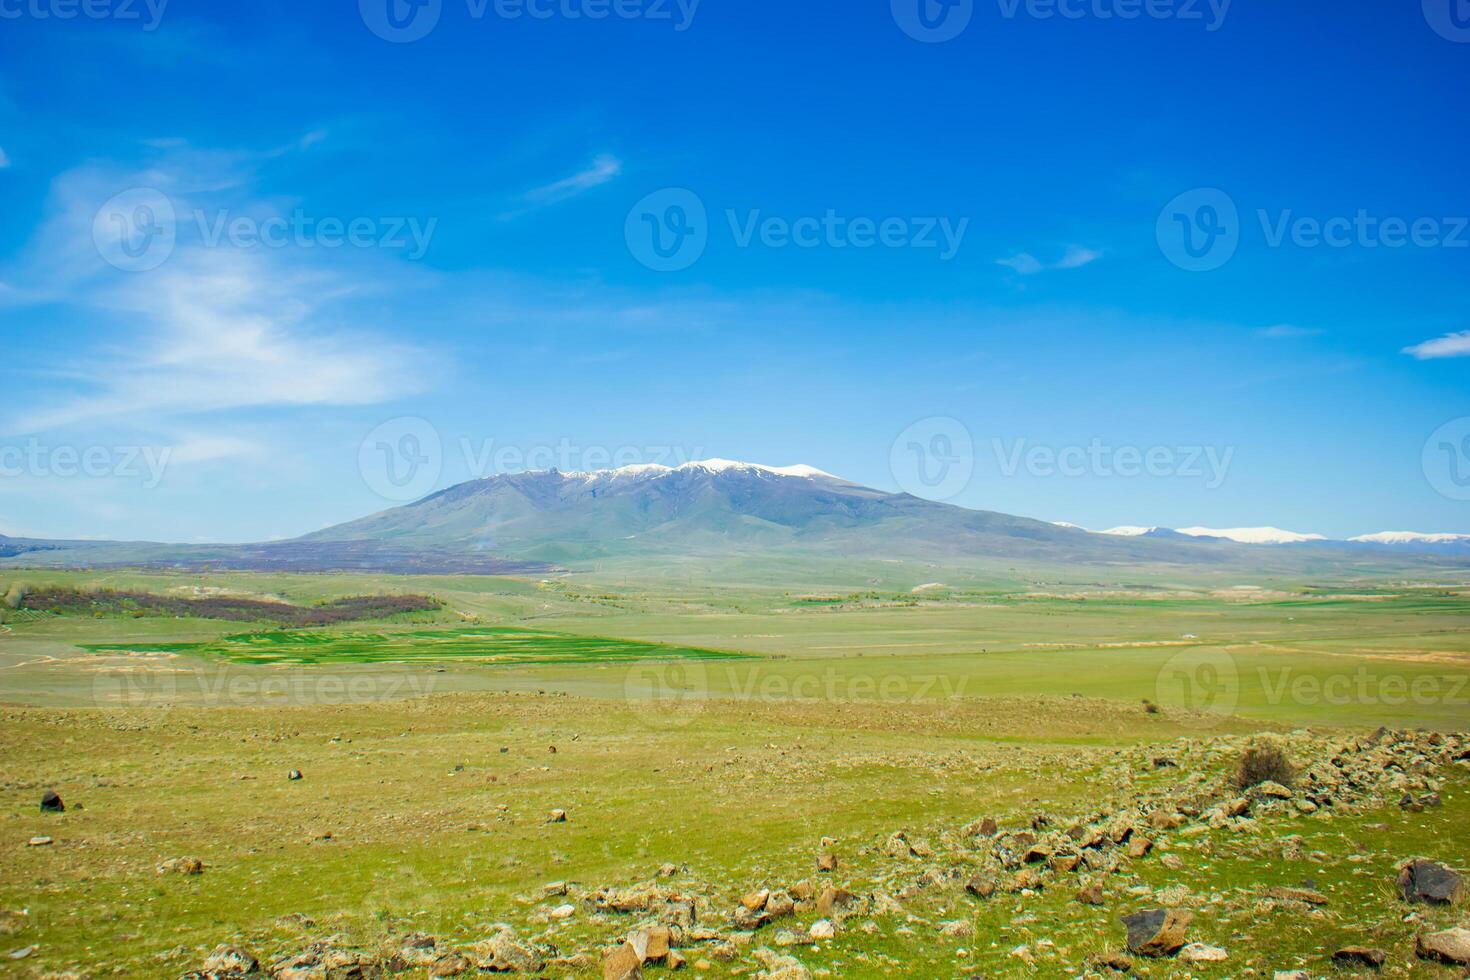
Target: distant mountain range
[(1406, 541), (528, 523)]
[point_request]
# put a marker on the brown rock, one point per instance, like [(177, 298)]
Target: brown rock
[(835, 900), (1157, 932), (1064, 863), (756, 900), (1139, 847), (980, 886), (1449, 946), (622, 963), (1360, 956), (827, 863), (1091, 895), (1430, 883), (451, 965), (1306, 895)]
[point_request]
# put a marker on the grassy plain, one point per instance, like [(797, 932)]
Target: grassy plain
[(427, 749)]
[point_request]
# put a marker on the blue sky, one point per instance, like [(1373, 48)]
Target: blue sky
[(884, 240)]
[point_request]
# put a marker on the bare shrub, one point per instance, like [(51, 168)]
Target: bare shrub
[(1264, 762)]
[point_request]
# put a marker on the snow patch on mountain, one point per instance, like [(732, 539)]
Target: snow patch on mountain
[(1129, 532), (653, 470), (1251, 535), (1410, 537)]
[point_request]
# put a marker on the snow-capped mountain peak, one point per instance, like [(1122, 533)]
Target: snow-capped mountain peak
[(1410, 537), (1251, 535), (653, 470), (1127, 531)]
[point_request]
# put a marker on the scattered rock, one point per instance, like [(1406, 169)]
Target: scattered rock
[(1201, 953), (1091, 895), (39, 842), (557, 816), (622, 963), (823, 929), (1360, 956), (1430, 883), (1157, 932), (980, 886), (1116, 962), (181, 866), (231, 960), (1307, 895), (293, 775), (51, 802), (827, 862), (1449, 946)]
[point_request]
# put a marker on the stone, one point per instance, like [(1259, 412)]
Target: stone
[(1430, 883), (835, 900), (622, 963), (1091, 895), (1157, 932), (823, 929), (1271, 790), (557, 816), (230, 960), (39, 842), (1165, 820), (958, 929), (1139, 847), (827, 863), (1449, 946), (1201, 953), (1360, 956), (51, 802), (563, 912), (181, 866), (756, 900), (552, 888), (980, 886), (1063, 863), (1116, 962), (450, 966), (651, 944), (293, 775), (1306, 895)]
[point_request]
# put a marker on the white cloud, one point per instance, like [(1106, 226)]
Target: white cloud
[(1450, 345), (212, 328), (1026, 264), (4, 158), (603, 169)]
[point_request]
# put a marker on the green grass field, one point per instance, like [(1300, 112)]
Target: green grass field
[(724, 729)]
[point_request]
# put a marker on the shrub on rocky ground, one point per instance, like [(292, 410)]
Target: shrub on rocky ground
[(1264, 762)]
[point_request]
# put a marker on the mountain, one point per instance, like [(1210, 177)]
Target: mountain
[(721, 510), (722, 507)]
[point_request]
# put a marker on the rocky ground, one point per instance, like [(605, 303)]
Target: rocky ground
[(1172, 870)]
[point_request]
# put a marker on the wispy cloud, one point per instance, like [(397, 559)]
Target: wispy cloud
[(211, 329), (604, 168), (1026, 264), (1287, 331), (4, 158), (1450, 345)]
